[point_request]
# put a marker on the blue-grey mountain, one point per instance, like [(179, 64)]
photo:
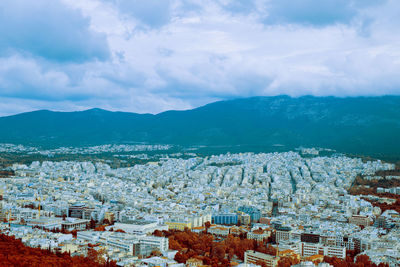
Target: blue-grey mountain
[(359, 125)]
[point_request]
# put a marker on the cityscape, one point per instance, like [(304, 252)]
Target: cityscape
[(287, 208), (199, 133)]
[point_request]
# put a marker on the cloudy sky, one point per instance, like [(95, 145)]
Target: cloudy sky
[(155, 55)]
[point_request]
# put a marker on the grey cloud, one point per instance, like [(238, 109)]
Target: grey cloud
[(49, 29), (216, 50)]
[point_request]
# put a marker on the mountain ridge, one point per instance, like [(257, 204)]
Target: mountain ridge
[(360, 125)]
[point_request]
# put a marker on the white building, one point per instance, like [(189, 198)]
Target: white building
[(310, 249), (140, 227)]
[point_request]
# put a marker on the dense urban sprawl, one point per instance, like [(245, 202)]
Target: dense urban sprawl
[(299, 204)]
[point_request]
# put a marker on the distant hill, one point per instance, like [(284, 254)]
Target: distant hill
[(358, 125)]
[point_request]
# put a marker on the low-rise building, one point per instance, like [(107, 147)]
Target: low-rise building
[(254, 257), (360, 220), (219, 230), (140, 227), (259, 234), (310, 249), (178, 225), (49, 223), (74, 224)]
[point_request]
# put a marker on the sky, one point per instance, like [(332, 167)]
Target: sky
[(148, 56)]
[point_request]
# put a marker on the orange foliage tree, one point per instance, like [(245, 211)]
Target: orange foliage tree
[(288, 261), (14, 253), (204, 247), (361, 261)]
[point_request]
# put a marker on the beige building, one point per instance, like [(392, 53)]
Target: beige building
[(192, 262), (254, 257), (259, 234), (178, 225), (109, 216)]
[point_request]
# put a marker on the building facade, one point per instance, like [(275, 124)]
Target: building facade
[(226, 218), (254, 257)]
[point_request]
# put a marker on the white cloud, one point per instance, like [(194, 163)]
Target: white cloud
[(193, 52)]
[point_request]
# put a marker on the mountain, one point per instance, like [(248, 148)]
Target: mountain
[(358, 125)]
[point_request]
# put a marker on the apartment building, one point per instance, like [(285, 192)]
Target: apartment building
[(310, 249)]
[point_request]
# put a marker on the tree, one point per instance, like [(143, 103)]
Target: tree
[(287, 261), (74, 233), (363, 259), (14, 253), (220, 252), (207, 225), (180, 257), (92, 224), (100, 228), (97, 255), (231, 253), (158, 233)]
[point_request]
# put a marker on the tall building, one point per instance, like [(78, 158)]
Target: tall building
[(282, 233)]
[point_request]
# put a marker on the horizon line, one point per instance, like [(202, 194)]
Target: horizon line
[(179, 110)]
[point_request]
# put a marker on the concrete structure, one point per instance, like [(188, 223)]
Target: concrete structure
[(74, 224), (139, 227), (254, 257), (46, 223), (311, 249)]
